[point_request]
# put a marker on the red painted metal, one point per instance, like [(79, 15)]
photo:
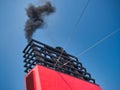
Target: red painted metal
[(42, 78)]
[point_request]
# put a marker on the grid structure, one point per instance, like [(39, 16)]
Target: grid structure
[(38, 53)]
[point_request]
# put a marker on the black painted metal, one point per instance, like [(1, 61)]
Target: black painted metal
[(38, 53)]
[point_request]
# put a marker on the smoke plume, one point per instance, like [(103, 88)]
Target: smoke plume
[(36, 18)]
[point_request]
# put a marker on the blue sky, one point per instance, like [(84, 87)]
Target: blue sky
[(100, 18)]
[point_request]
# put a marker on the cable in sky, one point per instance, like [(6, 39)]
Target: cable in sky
[(73, 31), (83, 11), (77, 22), (98, 42)]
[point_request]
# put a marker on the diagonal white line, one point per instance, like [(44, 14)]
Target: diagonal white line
[(98, 42)]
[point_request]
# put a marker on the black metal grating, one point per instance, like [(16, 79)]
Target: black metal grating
[(38, 53)]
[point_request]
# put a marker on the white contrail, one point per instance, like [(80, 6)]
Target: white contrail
[(98, 42)]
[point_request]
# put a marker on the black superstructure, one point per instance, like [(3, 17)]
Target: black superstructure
[(55, 58)]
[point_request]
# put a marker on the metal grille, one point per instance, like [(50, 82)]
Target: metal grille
[(38, 53)]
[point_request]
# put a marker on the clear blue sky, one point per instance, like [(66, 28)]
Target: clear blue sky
[(100, 18)]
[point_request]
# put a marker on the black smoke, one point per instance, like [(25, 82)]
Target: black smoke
[(36, 18)]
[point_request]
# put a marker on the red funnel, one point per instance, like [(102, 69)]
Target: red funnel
[(42, 78)]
